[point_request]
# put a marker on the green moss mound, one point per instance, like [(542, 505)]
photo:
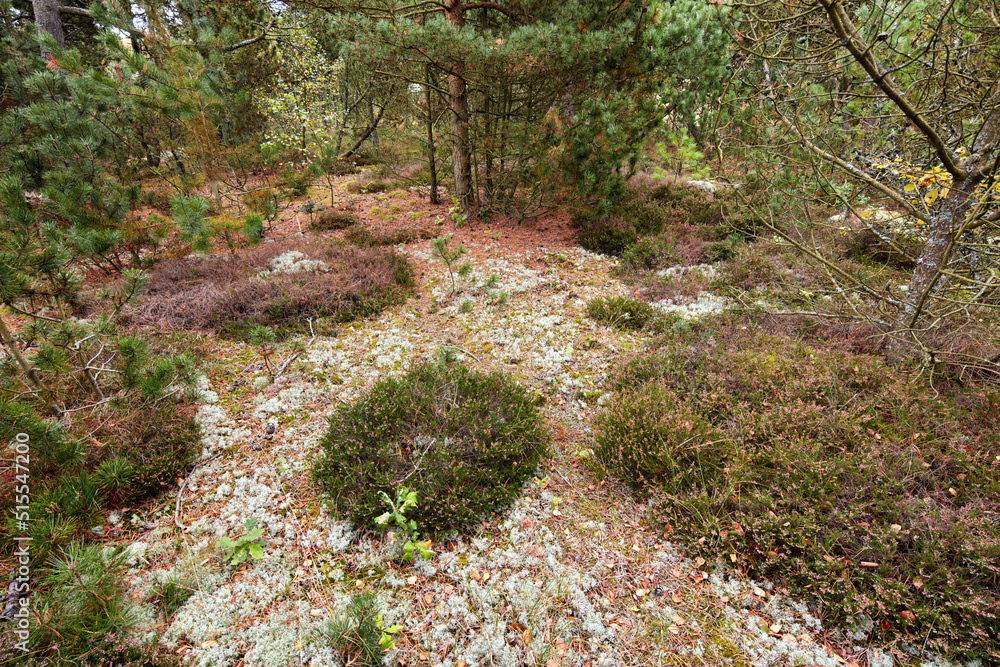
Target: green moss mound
[(465, 441)]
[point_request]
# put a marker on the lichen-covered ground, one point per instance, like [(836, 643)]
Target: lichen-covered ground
[(570, 575)]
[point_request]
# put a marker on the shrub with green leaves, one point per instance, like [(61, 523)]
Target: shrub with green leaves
[(829, 470), (465, 441), (248, 545)]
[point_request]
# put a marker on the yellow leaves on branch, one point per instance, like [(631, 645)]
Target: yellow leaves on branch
[(928, 187)]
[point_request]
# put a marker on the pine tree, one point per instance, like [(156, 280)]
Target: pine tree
[(537, 88)]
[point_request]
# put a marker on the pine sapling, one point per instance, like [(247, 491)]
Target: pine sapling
[(440, 249)]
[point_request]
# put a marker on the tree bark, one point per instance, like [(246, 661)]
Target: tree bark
[(49, 22), (455, 15), (367, 133), (431, 163)]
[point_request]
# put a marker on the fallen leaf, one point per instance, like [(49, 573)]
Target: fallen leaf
[(775, 627), (918, 583), (895, 528), (699, 561), (678, 619), (209, 644), (411, 580), (676, 597), (908, 615), (759, 592)]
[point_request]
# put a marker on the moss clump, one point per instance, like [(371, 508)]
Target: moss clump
[(465, 441)]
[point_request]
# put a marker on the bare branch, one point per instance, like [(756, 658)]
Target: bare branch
[(852, 41)]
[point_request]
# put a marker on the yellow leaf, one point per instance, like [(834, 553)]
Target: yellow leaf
[(931, 197), (909, 187), (925, 180)]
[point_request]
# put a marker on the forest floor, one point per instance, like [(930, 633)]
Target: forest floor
[(572, 574)]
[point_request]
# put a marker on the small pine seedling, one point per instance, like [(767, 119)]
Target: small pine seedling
[(440, 249)]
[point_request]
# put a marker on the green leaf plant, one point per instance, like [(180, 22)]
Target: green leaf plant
[(249, 545), (405, 499)]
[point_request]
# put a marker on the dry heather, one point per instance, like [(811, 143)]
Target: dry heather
[(271, 284)]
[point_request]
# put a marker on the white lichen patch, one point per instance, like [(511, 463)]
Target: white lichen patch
[(705, 304), (294, 261)]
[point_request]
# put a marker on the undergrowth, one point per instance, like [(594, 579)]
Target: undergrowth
[(699, 225), (80, 615), (831, 471), (231, 294), (465, 441)]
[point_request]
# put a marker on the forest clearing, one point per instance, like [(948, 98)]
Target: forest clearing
[(366, 335)]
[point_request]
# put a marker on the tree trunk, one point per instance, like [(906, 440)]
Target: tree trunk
[(431, 164), (459, 116), (934, 259), (48, 22)]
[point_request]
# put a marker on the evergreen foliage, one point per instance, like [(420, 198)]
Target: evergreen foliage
[(464, 441), (564, 94)]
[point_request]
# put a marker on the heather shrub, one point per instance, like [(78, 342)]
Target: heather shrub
[(749, 267), (330, 220), (626, 313), (649, 253), (146, 451), (364, 237), (230, 294), (606, 236), (872, 492), (465, 441), (650, 437)]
